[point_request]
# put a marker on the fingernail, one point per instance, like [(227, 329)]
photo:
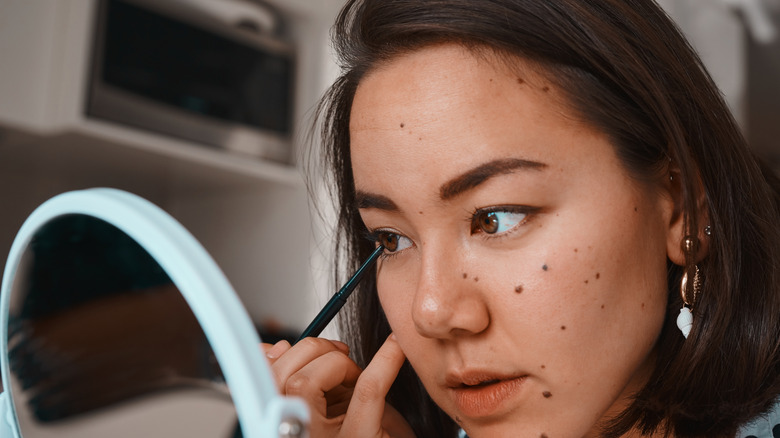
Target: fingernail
[(276, 350)]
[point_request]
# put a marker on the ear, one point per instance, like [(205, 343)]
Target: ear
[(676, 231)]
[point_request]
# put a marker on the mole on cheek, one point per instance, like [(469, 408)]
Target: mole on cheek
[(519, 288), (543, 367), (476, 279), (547, 394), (545, 88), (602, 306), (544, 435), (544, 267), (563, 327), (402, 124), (465, 275), (597, 275)]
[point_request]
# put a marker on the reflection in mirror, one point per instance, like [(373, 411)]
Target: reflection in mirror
[(101, 342)]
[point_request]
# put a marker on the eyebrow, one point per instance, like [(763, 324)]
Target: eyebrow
[(372, 200), (456, 186), (484, 172)]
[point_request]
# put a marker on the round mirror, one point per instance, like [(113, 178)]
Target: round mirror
[(101, 342), (116, 323)]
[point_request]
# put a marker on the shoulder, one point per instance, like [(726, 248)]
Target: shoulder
[(766, 426)]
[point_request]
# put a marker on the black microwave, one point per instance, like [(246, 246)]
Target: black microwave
[(163, 67)]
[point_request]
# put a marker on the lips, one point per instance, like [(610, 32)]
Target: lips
[(480, 394)]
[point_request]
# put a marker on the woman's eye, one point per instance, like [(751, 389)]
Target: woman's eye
[(496, 221), (393, 242)]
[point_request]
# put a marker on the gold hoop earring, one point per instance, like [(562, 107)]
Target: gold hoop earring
[(685, 318)]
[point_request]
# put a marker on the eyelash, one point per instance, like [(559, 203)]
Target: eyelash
[(378, 235), (474, 217)]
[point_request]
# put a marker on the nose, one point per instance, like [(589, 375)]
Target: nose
[(447, 302)]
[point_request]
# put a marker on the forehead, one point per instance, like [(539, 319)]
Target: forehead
[(442, 76), (449, 104)]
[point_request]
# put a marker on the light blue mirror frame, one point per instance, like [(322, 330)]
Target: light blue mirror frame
[(236, 345)]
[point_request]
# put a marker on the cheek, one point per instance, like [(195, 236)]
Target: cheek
[(395, 288), (396, 296), (601, 302), (613, 280), (584, 282)]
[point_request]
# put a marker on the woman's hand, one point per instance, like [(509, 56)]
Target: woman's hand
[(344, 400)]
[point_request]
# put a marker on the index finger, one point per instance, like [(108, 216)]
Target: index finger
[(366, 409)]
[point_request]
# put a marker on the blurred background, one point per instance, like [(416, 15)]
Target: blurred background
[(200, 106)]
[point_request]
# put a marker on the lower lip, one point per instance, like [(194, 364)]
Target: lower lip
[(483, 401)]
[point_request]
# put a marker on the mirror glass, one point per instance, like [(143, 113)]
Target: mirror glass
[(101, 342)]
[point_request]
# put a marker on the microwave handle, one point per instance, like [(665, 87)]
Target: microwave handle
[(232, 12)]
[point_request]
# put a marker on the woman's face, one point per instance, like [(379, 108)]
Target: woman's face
[(528, 283)]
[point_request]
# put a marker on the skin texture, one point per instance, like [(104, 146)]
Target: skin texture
[(568, 302)]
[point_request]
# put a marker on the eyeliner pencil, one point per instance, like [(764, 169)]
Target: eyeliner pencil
[(338, 300)]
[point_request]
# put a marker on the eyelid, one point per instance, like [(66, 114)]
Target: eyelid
[(372, 235), (375, 234), (507, 208), (528, 211)]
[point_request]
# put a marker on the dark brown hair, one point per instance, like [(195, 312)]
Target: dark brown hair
[(627, 71)]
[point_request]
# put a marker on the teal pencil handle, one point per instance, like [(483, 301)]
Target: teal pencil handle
[(338, 300)]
